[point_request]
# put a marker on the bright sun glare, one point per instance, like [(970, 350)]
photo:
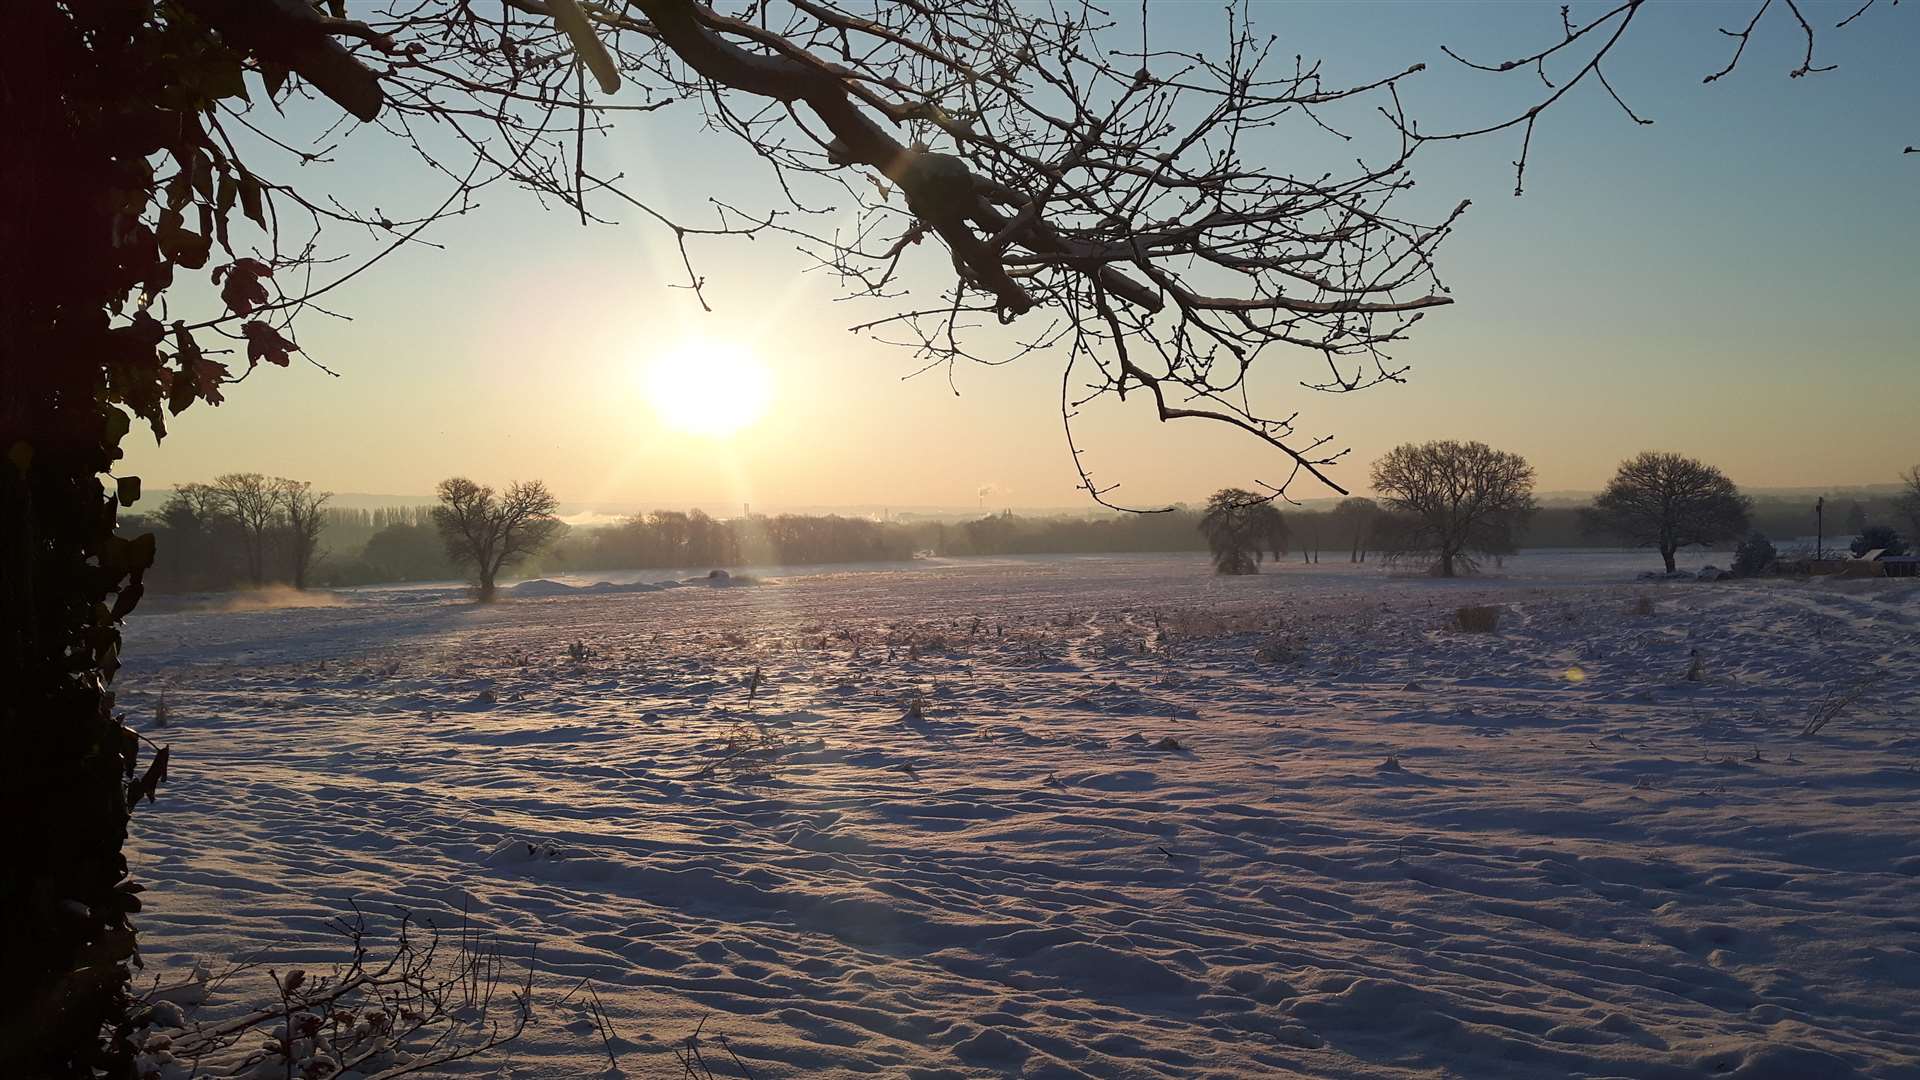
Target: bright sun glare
[(707, 387)]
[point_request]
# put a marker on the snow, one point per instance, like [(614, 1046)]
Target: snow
[(951, 840)]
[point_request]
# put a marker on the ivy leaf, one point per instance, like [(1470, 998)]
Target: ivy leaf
[(184, 246), (128, 556), (179, 190), (181, 392), (128, 598), (115, 425), (155, 775), (127, 489), (159, 279), (115, 945), (142, 552)]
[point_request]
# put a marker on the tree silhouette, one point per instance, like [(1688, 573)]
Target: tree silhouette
[(303, 509), (1359, 516), (253, 502), (486, 533), (1668, 502), (1241, 530), (1454, 499)]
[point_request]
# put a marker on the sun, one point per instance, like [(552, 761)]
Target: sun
[(709, 387)]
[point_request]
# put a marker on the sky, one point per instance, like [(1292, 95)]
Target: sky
[(1735, 281)]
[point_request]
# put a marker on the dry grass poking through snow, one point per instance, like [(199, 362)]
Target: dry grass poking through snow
[(1836, 702), (435, 1000), (1060, 818)]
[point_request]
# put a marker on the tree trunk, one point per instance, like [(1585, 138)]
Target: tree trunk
[(64, 934), (1446, 563), (1666, 553)]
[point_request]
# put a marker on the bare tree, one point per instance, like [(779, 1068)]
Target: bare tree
[(196, 501), (253, 501), (304, 511), (1241, 529), (1668, 502), (1309, 537), (1359, 515), (488, 532), (1455, 499)]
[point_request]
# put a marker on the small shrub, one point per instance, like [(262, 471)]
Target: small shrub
[(1642, 606), (162, 713), (748, 752), (1878, 536), (1754, 556), (440, 997), (1477, 618)]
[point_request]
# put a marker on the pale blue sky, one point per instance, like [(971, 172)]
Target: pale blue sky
[(1734, 281)]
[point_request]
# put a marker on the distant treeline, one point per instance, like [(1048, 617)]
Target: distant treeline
[(1010, 534), (668, 539), (349, 528), (202, 548)]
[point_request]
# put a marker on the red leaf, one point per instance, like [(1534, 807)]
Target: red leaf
[(265, 343), (243, 291)]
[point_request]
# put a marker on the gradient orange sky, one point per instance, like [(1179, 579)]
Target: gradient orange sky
[(1734, 282)]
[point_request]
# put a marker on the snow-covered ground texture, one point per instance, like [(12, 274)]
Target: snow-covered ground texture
[(945, 834)]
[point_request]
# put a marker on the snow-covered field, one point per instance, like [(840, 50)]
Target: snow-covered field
[(957, 845)]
